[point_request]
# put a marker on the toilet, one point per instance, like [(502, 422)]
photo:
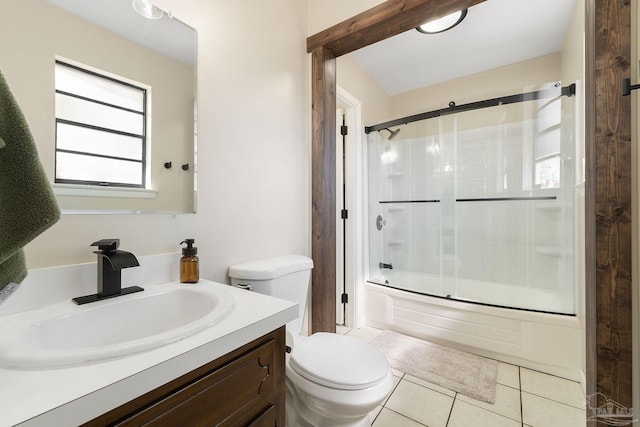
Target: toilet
[(332, 380)]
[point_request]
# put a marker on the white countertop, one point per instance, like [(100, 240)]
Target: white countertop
[(74, 395)]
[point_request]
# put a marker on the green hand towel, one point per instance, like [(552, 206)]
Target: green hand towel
[(27, 203)]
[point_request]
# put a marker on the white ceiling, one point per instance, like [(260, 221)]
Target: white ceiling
[(494, 33), (167, 35)]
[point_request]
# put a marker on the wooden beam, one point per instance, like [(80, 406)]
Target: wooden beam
[(323, 191), (381, 22), (612, 190)]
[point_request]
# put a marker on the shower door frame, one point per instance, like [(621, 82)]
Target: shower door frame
[(608, 231)]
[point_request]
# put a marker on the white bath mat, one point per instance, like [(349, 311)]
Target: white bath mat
[(466, 373)]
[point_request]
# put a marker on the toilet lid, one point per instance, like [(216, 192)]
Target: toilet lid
[(339, 361)]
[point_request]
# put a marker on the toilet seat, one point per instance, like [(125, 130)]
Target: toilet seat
[(339, 362)]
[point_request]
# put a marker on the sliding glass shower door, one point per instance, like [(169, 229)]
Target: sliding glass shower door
[(478, 205)]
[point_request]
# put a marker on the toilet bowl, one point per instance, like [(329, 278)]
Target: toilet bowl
[(336, 380), (332, 380)]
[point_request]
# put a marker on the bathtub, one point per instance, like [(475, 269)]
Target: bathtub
[(546, 342)]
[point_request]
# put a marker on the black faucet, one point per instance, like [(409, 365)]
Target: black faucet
[(111, 261)]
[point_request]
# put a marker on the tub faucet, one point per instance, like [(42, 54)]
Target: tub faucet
[(111, 261)]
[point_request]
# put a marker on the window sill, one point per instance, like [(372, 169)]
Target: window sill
[(94, 191)]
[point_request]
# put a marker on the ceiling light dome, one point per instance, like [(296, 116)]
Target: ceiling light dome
[(443, 24), (146, 9)]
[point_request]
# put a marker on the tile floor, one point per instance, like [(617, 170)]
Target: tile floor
[(524, 398)]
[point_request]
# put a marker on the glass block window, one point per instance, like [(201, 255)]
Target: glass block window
[(100, 128)]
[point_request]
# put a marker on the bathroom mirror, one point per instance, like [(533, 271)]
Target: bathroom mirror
[(108, 38)]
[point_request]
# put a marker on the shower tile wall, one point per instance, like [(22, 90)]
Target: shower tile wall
[(411, 172)]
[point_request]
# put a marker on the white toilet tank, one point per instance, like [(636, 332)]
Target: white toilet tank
[(286, 277)]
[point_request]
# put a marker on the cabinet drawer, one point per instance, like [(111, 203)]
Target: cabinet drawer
[(236, 387)]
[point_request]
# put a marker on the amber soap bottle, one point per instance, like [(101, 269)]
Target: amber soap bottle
[(189, 268)]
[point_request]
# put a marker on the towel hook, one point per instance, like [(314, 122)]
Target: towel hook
[(627, 87)]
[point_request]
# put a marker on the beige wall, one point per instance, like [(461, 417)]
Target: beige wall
[(38, 32), (573, 47), (253, 147), (506, 80), (376, 102), (253, 139)]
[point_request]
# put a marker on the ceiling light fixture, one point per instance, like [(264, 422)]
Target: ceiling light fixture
[(146, 9), (443, 24)]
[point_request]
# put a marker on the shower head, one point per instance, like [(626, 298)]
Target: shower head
[(393, 133)]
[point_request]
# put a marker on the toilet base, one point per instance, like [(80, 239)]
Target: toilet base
[(307, 404), (299, 416)]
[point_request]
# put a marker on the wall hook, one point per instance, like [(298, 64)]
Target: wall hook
[(627, 87), (167, 165), (185, 167)]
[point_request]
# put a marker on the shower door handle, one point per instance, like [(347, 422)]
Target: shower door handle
[(380, 222)]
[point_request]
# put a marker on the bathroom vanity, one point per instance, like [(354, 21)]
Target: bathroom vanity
[(244, 387), (231, 373)]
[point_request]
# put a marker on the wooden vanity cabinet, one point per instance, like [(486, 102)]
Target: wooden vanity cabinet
[(243, 388)]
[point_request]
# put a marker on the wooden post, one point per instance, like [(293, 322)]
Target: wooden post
[(323, 191)]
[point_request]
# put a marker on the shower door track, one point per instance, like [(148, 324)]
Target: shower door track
[(555, 92), (470, 301)]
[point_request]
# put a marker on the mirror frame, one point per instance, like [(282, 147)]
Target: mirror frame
[(608, 234)]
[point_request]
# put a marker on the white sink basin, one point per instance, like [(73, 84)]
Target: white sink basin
[(67, 334)]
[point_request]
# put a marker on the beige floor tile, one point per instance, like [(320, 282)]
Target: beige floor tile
[(389, 418), (466, 415), (552, 387), (430, 385), (540, 412), (509, 375), (507, 402), (374, 414), (396, 381), (547, 401), (420, 404)]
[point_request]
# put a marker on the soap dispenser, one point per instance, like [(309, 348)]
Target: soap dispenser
[(189, 271)]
